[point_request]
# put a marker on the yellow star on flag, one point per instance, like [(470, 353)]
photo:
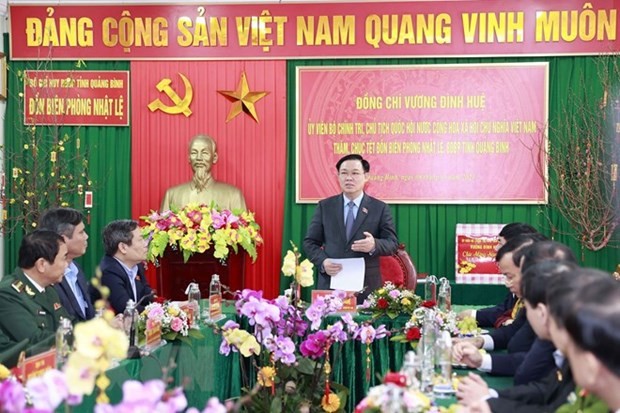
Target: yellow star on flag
[(243, 100)]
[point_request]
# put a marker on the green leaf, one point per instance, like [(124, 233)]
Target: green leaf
[(393, 314), (276, 405), (306, 366)]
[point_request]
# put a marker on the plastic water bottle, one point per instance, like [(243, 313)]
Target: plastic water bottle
[(444, 300), (426, 352), (193, 300), (410, 370), (430, 288), (64, 341), (215, 295), (130, 322), (443, 348)]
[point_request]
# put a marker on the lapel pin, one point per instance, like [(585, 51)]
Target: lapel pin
[(57, 306), (364, 210)]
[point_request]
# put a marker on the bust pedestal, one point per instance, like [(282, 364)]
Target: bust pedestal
[(173, 275)]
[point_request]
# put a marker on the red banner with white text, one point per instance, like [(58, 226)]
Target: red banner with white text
[(432, 133), (275, 30)]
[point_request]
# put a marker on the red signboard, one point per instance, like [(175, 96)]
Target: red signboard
[(80, 97), (476, 247), (35, 366), (432, 133), (268, 31)]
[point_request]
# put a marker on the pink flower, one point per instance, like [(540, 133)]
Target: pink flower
[(219, 219), (156, 313), (315, 345), (195, 216), (176, 324)]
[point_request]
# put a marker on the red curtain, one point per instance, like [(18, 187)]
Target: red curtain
[(252, 156)]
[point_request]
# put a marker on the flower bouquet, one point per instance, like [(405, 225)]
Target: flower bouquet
[(290, 352), (412, 332), (391, 397), (391, 301), (174, 321), (198, 227)]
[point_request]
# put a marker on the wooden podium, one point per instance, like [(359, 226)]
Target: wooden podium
[(173, 275)]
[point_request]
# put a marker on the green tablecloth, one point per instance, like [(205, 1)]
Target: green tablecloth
[(204, 372), (198, 366)]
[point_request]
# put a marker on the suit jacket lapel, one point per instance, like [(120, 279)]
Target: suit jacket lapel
[(64, 285), (82, 286), (340, 217), (362, 214)]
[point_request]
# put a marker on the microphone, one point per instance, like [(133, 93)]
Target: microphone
[(144, 297), (133, 352)]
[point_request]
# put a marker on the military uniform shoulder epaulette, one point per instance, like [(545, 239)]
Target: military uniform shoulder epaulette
[(18, 286)]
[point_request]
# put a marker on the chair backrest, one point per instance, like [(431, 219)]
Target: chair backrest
[(399, 269)]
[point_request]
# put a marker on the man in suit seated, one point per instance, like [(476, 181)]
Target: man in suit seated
[(122, 269), (547, 394), (73, 290), (29, 306), (502, 313), (593, 329), (351, 224), (516, 337)]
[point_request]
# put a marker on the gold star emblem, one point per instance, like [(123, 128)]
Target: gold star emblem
[(243, 100)]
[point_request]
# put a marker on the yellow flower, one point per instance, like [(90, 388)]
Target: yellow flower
[(288, 265), (173, 311), (330, 403), (81, 372), (424, 400), (266, 376), (381, 291), (4, 372), (305, 274), (96, 338), (405, 301), (175, 234), (187, 242), (241, 339)]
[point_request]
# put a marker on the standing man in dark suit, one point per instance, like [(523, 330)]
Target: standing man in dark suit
[(74, 288), (29, 306), (121, 266), (350, 225)]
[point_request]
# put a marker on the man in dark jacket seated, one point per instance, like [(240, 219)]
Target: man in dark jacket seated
[(503, 313), (122, 266), (518, 337)]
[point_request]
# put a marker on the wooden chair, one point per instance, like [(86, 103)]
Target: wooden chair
[(399, 269)]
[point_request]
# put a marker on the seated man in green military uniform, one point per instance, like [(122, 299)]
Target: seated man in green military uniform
[(29, 306)]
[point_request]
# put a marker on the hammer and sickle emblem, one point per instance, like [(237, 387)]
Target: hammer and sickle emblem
[(180, 105)]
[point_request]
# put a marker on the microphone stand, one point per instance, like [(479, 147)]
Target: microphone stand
[(133, 352)]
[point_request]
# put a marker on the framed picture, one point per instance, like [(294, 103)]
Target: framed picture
[(3, 76)]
